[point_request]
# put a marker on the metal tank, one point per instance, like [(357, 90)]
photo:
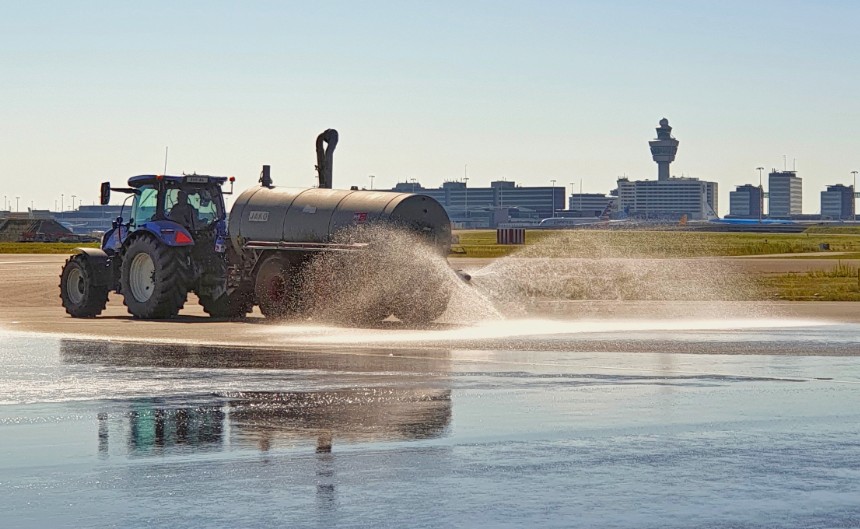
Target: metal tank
[(275, 233), (266, 217)]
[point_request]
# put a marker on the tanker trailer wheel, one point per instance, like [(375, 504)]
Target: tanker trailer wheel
[(236, 304), (275, 288), (81, 297), (154, 278), (424, 306)]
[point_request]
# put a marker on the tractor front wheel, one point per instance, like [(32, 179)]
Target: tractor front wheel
[(80, 295), (154, 279)]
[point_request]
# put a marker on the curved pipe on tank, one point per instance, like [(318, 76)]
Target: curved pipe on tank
[(325, 157)]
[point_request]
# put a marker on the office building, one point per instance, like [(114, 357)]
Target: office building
[(785, 194), (837, 202), (90, 219), (746, 202), (461, 202), (588, 204)]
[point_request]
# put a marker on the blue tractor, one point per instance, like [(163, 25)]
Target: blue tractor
[(173, 243)]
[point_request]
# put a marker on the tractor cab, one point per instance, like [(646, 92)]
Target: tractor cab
[(194, 201), (175, 209)]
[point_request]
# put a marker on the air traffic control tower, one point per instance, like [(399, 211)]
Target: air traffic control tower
[(663, 149)]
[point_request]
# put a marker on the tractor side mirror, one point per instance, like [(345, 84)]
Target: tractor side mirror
[(105, 194)]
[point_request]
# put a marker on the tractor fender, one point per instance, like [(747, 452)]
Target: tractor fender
[(100, 262), (167, 232)]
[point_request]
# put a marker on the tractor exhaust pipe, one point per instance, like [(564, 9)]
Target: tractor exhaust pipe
[(325, 157)]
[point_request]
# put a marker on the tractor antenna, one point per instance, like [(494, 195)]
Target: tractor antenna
[(165, 161)]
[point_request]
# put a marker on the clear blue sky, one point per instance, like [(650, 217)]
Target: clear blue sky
[(526, 91)]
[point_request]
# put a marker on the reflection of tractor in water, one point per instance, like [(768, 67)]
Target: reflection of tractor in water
[(417, 405), (176, 241)]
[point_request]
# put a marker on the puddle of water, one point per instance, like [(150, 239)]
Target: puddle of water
[(519, 328)]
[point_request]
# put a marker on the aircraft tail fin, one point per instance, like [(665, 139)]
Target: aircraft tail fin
[(604, 215), (710, 213)]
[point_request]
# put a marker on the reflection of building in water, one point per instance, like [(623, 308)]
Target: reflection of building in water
[(418, 408), (347, 415)]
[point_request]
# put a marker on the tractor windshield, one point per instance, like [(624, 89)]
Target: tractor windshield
[(145, 205), (192, 206)]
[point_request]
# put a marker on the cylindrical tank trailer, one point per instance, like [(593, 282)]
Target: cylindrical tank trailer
[(263, 216), (275, 234)]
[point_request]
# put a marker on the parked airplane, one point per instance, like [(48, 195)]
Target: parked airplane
[(712, 217), (567, 221)]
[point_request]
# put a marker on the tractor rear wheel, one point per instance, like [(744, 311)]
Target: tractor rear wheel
[(81, 297), (154, 278), (275, 288)]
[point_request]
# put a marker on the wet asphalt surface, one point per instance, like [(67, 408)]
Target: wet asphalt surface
[(425, 429)]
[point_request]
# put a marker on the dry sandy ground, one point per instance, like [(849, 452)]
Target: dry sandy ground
[(29, 301)]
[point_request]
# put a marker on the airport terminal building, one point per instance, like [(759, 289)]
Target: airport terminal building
[(487, 206), (667, 198), (670, 199)]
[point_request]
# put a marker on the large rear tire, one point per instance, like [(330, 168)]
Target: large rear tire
[(154, 278), (275, 288), (81, 297)]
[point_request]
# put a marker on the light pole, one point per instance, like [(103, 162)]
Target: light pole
[(371, 181), (570, 202), (413, 180), (760, 194), (16, 204), (62, 205), (73, 201), (466, 190), (854, 197), (553, 198), (466, 196)]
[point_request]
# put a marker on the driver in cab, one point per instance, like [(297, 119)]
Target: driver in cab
[(182, 212)]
